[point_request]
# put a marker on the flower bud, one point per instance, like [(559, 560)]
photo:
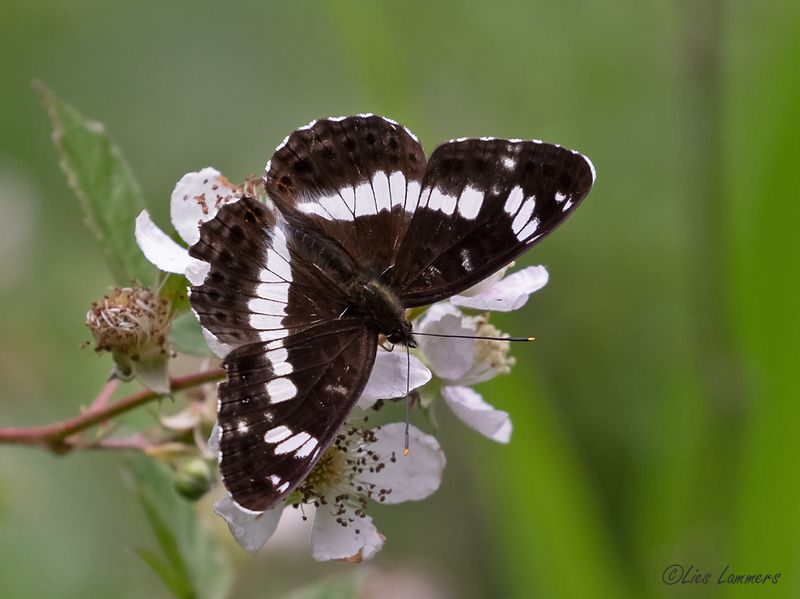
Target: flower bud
[(193, 479)]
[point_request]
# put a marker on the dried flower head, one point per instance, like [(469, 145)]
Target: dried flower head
[(131, 320)]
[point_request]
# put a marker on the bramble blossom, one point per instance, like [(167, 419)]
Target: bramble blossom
[(460, 363), (361, 466)]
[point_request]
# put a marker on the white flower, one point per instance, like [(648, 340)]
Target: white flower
[(393, 376), (197, 198), (463, 362), (362, 465), (503, 294)]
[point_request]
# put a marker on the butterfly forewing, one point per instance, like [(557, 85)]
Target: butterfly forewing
[(355, 180), (483, 203)]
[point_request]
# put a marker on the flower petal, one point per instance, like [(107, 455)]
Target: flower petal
[(390, 378), (450, 359), (196, 271), (482, 286), (160, 248), (185, 420), (470, 407), (250, 529), (412, 477), (196, 199), (508, 294), (213, 440), (357, 540), (218, 347)]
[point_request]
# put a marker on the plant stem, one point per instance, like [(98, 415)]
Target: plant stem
[(105, 394), (54, 436)]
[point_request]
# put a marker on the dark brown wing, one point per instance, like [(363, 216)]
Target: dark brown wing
[(295, 368), (355, 180), (483, 203)]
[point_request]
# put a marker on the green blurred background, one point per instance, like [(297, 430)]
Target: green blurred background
[(656, 417)]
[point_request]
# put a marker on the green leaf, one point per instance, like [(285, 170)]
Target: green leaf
[(186, 336), (170, 579), (107, 191), (190, 563)]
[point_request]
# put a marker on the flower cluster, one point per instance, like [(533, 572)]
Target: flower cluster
[(366, 464)]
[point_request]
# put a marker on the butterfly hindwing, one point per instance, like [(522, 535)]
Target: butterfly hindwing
[(483, 203), (355, 180), (282, 405)]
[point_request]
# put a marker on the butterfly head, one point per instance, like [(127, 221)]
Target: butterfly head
[(402, 335)]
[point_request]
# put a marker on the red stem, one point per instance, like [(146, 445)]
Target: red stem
[(105, 394), (52, 436)]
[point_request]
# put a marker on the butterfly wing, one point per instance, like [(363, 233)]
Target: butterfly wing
[(483, 203), (354, 180), (295, 368)]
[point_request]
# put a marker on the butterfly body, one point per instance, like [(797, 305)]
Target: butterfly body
[(377, 304), (359, 227)]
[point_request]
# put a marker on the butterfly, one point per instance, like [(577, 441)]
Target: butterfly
[(359, 226)]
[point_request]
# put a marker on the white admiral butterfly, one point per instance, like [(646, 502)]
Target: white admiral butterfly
[(362, 228)]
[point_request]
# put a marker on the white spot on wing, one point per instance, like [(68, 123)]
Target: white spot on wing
[(524, 214), (514, 200), (276, 292), (280, 367), (277, 264), (283, 143), (365, 201), (466, 262), (336, 207), (264, 322), (268, 307), (591, 168), (509, 163), (470, 202), (560, 197), (277, 434), (349, 197), (380, 187), (280, 390), (528, 229), (449, 204), (412, 196), (436, 199), (307, 448), (397, 188), (292, 443), (312, 208), (283, 487), (242, 427), (265, 275)]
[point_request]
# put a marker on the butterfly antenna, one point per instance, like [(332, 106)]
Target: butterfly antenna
[(408, 397), (489, 338)]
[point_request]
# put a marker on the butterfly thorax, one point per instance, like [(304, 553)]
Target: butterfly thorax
[(378, 305)]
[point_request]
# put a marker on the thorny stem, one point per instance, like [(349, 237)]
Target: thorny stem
[(55, 437)]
